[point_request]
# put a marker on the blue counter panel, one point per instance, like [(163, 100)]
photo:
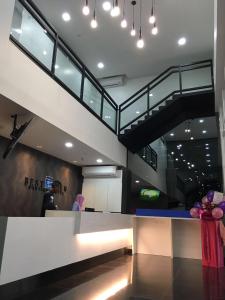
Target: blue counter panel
[(163, 213)]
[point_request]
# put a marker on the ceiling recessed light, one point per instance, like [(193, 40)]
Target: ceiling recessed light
[(56, 66), (191, 138), (182, 41), (137, 181), (91, 101), (39, 146), (99, 160), (206, 144), (171, 134), (172, 153), (66, 17), (206, 148), (75, 161), (184, 160), (207, 154), (176, 159), (188, 163), (68, 144), (192, 165), (106, 5), (100, 65), (137, 112), (181, 154), (209, 165), (45, 52), (151, 95), (201, 121), (107, 117), (208, 160), (204, 131)]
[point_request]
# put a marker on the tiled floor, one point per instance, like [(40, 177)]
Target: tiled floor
[(141, 277)]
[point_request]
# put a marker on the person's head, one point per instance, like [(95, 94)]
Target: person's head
[(56, 187)]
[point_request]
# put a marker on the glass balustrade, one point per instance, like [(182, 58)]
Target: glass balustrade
[(38, 39)]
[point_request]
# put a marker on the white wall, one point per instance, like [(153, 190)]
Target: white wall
[(219, 72), (103, 194), (26, 84), (143, 170)]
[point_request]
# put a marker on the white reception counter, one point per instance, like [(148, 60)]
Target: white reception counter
[(29, 246)]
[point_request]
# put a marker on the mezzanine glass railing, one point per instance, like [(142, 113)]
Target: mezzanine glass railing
[(171, 84), (38, 39)]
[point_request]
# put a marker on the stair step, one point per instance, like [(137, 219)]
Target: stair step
[(134, 126), (168, 102), (161, 107), (154, 112)]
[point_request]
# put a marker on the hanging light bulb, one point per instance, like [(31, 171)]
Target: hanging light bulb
[(106, 5), (152, 18), (94, 23), (155, 29), (140, 41), (123, 23), (86, 9), (115, 12), (133, 31)]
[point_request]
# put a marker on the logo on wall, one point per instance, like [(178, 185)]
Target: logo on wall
[(43, 185)]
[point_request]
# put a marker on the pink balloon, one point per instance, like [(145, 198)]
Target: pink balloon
[(205, 200), (217, 213), (195, 212)]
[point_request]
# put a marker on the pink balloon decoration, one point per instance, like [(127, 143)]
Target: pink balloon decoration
[(195, 212), (217, 213), (205, 200)]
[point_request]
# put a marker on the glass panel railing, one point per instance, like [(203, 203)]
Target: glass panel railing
[(196, 78), (38, 39), (135, 110), (92, 97), (67, 72), (163, 89), (32, 36), (149, 156), (109, 114)]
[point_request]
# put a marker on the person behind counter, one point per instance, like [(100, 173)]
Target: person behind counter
[(48, 199)]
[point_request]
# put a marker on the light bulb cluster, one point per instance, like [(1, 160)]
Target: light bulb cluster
[(113, 8)]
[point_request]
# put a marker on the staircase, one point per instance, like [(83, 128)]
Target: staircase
[(180, 93)]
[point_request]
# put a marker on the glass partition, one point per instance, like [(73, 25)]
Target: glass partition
[(134, 110), (32, 36), (109, 114), (67, 72), (196, 78), (92, 97)]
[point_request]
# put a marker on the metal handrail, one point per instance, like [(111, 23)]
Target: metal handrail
[(156, 81), (58, 42)]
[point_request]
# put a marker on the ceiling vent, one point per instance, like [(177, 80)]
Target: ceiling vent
[(113, 81), (102, 172)]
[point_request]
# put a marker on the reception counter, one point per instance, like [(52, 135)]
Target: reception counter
[(167, 236), (29, 246)]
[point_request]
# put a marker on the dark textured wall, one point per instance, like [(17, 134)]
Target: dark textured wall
[(15, 198)]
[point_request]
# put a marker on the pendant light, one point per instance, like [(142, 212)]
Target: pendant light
[(133, 30), (152, 18), (155, 29), (94, 23), (140, 41), (123, 23), (115, 12), (106, 5), (86, 9)]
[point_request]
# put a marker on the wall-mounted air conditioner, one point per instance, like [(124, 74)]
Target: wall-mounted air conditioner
[(113, 81), (104, 171)]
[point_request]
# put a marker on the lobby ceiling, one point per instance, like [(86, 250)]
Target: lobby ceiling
[(114, 46)]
